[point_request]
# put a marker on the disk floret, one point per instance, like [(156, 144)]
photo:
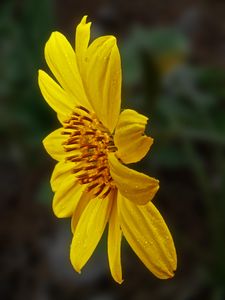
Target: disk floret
[(88, 145)]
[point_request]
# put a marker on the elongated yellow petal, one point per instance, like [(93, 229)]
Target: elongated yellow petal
[(53, 144), (102, 79), (89, 231), (55, 96), (149, 237), (114, 243), (82, 39), (61, 59), (84, 200), (61, 171), (67, 197), (134, 185), (132, 145)]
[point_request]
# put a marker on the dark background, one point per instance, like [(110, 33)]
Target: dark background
[(173, 59)]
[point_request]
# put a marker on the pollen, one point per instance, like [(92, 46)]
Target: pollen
[(87, 146)]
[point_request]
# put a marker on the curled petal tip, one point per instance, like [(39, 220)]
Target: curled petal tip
[(120, 281), (170, 275), (78, 270), (75, 264), (84, 19)]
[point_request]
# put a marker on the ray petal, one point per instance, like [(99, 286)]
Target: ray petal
[(134, 185), (82, 38), (147, 233), (67, 197), (61, 60), (129, 139), (53, 144), (102, 79), (54, 95), (84, 200), (89, 230), (62, 170), (114, 243)]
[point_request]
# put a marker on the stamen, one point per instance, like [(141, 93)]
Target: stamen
[(76, 170), (78, 123), (88, 135), (86, 155), (102, 168), (91, 187), (106, 193), (83, 108), (89, 168), (75, 114), (86, 118), (72, 157), (76, 159), (71, 149), (101, 188), (90, 132), (76, 132), (65, 132), (70, 127)]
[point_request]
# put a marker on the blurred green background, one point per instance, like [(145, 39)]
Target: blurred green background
[(173, 59)]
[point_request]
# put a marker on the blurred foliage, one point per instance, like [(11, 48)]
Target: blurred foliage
[(166, 47), (186, 106), (24, 28)]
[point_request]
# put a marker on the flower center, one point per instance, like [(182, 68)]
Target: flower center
[(87, 145)]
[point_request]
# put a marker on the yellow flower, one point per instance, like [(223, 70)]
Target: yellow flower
[(95, 141)]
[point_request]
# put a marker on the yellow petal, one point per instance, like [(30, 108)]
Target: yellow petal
[(82, 39), (84, 200), (55, 96), (134, 185), (62, 118), (61, 59), (102, 79), (132, 145), (67, 197), (114, 243), (53, 144), (62, 170), (149, 237), (89, 230)]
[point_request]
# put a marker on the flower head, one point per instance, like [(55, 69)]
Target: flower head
[(91, 182)]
